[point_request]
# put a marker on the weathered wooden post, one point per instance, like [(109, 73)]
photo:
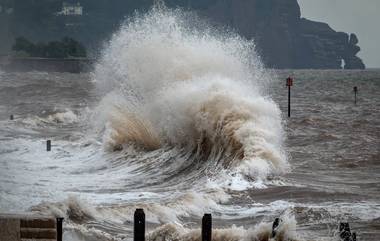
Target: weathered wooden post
[(48, 145), (289, 83), (355, 92), (344, 231), (139, 225), (206, 227), (354, 236), (59, 229), (275, 225), (11, 117)]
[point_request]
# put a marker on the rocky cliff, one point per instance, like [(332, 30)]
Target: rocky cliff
[(283, 38)]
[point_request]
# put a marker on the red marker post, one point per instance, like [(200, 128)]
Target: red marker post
[(289, 83)]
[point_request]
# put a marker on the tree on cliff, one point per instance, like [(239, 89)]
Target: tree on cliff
[(66, 48), (22, 44)]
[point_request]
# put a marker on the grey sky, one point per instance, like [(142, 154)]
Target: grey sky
[(352, 16)]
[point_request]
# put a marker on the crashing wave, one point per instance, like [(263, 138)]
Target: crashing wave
[(170, 83)]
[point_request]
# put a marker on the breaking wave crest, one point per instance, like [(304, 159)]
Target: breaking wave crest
[(261, 232), (77, 213), (169, 81), (71, 209), (65, 117)]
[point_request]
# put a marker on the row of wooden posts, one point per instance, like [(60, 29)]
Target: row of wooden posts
[(139, 226), (206, 232), (51, 228)]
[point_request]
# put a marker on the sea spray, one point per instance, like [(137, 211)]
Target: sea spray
[(168, 83), (186, 121), (77, 213)]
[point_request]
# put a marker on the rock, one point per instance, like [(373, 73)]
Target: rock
[(353, 39), (349, 55), (354, 62)]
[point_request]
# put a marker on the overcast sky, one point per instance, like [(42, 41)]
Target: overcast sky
[(352, 16)]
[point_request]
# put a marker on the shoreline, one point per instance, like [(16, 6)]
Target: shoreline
[(25, 64), (85, 65)]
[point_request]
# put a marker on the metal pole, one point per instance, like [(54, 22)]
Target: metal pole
[(355, 91), (289, 101), (59, 229), (139, 225), (206, 227)]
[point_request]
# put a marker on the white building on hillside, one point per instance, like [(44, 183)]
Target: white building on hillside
[(71, 9)]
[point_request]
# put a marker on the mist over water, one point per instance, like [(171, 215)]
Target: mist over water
[(181, 119)]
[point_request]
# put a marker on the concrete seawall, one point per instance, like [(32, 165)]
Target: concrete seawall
[(73, 65), (28, 227)]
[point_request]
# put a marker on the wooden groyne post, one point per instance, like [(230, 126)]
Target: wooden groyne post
[(59, 229), (345, 232), (275, 225), (139, 225), (206, 231), (206, 227)]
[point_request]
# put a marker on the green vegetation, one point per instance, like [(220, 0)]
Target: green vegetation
[(66, 48)]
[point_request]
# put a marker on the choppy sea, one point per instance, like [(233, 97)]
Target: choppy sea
[(181, 122)]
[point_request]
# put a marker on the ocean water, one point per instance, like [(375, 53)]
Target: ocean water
[(182, 120)]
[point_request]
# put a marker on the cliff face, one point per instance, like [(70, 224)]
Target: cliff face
[(5, 36), (283, 38)]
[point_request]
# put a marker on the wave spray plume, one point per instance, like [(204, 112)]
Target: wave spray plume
[(169, 80)]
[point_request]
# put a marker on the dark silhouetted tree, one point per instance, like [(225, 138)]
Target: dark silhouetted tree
[(66, 48)]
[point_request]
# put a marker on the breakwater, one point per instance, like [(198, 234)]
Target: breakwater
[(30, 227)]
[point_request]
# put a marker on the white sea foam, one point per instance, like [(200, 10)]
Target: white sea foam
[(68, 116), (64, 117)]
